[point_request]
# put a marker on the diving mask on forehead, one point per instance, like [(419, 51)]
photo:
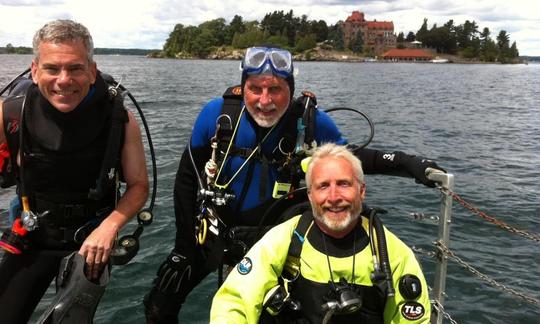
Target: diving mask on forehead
[(260, 60)]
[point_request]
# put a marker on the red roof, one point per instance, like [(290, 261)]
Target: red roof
[(356, 16), (407, 53), (385, 25)]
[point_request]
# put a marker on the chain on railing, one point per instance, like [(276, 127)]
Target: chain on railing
[(422, 251), (440, 309), (490, 219), (484, 277), (443, 249)]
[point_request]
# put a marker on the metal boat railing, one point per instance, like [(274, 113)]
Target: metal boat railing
[(446, 182)]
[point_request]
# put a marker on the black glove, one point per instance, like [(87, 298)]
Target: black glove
[(175, 270), (416, 166)]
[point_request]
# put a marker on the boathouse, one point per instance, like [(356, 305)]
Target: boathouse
[(407, 55)]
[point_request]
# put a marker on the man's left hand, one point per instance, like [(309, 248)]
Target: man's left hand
[(417, 166)]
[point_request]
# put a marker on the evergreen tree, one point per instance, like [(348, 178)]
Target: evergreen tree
[(514, 53), (490, 51), (335, 37), (236, 26), (503, 43), (422, 33), (357, 43), (400, 40), (410, 37), (320, 29)]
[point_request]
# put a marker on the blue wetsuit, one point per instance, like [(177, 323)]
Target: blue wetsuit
[(248, 136)]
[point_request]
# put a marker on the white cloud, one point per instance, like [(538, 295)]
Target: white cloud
[(147, 24)]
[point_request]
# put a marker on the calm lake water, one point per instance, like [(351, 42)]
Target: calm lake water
[(479, 122)]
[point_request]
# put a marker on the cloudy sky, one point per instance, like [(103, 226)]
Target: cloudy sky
[(147, 23)]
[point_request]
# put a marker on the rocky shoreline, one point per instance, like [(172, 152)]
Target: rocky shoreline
[(317, 54)]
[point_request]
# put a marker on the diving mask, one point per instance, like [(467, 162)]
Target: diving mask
[(259, 60)]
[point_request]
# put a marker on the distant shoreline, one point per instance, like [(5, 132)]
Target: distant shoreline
[(311, 56), (97, 51)]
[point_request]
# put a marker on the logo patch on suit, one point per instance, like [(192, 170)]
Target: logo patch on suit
[(244, 266), (412, 311), (410, 287), (237, 91)]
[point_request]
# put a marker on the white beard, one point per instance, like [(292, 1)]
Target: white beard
[(265, 121), (337, 225)]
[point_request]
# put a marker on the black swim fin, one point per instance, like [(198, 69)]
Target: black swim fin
[(76, 297)]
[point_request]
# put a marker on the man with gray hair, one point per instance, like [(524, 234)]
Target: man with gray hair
[(60, 132), (327, 265)]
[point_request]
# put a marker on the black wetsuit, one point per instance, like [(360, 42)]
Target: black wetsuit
[(64, 154)]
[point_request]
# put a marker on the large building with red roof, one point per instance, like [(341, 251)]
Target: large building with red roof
[(378, 36)]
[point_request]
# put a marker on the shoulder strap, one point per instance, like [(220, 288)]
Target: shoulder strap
[(230, 113), (292, 265), (113, 151), (309, 102)]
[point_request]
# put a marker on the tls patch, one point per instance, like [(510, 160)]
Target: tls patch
[(412, 311), (244, 266)]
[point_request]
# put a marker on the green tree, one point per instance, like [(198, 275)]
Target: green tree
[(490, 51), (441, 39), (202, 44), (252, 36), (277, 40), (174, 43), (190, 35), (484, 38), (303, 26), (335, 37), (306, 42), (320, 29), (514, 53), (411, 37), (503, 43), (214, 30), (400, 40), (10, 49), (422, 33), (236, 26), (357, 43), (465, 33)]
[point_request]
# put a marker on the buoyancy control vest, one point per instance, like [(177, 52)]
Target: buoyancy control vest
[(297, 136), (70, 159), (294, 135)]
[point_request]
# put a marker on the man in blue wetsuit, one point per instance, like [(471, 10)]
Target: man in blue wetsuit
[(245, 146)]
